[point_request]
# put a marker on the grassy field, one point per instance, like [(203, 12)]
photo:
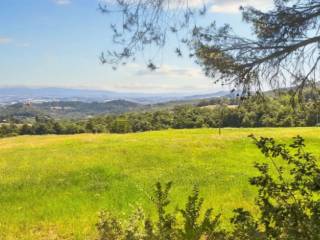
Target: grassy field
[(54, 186)]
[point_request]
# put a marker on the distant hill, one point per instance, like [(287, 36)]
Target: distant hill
[(84, 109), (19, 111), (39, 95), (23, 103), (67, 109)]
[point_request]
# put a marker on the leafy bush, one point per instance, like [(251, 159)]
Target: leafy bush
[(166, 226), (288, 203)]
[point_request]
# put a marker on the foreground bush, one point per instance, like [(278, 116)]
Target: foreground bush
[(288, 202), (166, 226)]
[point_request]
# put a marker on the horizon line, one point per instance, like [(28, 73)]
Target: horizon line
[(153, 91)]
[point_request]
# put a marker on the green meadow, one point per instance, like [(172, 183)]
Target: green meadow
[(52, 187)]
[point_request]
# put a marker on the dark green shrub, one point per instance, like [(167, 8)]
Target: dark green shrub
[(166, 226), (288, 202)]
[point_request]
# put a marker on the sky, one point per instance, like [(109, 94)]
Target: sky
[(57, 43)]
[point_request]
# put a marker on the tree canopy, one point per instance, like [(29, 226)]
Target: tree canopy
[(284, 49), (147, 23)]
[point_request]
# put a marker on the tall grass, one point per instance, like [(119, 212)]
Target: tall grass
[(54, 186)]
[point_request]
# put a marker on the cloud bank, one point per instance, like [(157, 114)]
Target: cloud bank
[(62, 2), (5, 40), (232, 6), (215, 6), (168, 71)]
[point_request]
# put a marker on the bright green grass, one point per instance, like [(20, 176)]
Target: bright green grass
[(54, 186)]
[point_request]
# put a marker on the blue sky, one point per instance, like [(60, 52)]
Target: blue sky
[(58, 42)]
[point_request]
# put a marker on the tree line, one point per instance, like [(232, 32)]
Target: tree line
[(254, 112)]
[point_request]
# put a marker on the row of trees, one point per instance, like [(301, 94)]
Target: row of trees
[(267, 112)]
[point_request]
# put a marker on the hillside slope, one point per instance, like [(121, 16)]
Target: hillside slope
[(55, 185), (67, 109)]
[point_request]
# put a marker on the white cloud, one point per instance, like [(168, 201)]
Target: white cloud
[(23, 45), (215, 6), (222, 6), (62, 2), (154, 87), (232, 6), (5, 40), (171, 72), (167, 78)]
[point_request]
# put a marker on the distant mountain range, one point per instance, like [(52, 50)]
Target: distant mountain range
[(67, 109), (14, 95)]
